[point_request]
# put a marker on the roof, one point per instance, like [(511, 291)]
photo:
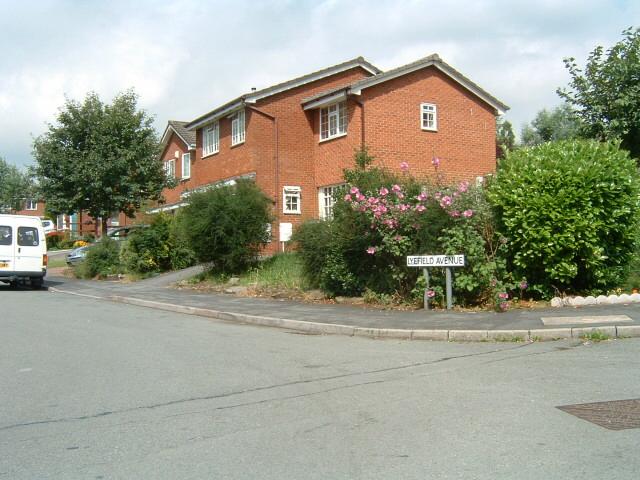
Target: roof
[(177, 127), (254, 96), (431, 60)]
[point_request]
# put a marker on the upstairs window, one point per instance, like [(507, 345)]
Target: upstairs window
[(211, 139), (429, 116), (31, 205), (237, 128), (291, 200), (170, 168), (333, 121), (186, 165)]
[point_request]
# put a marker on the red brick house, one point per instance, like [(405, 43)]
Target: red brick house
[(295, 138)]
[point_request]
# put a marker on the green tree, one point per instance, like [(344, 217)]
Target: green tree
[(15, 187), (606, 95), (561, 123), (505, 138), (100, 158)]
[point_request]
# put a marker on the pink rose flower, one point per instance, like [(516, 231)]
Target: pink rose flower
[(404, 166), (446, 201), (503, 295), (435, 162), (354, 190), (455, 213), (431, 294), (463, 186), (467, 213), (420, 208), (360, 197), (396, 188), (347, 198), (371, 250), (384, 191)]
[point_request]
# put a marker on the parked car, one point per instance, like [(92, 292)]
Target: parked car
[(119, 234), (49, 227), (23, 250)]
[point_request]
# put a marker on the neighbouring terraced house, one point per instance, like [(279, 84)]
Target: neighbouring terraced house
[(295, 138)]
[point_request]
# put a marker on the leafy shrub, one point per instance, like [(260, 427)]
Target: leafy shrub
[(569, 211), (382, 218), (53, 241), (102, 259), (227, 226), (156, 248), (313, 239)]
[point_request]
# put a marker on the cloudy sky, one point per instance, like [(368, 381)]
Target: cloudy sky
[(185, 57)]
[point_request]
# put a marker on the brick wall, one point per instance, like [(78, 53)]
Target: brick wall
[(175, 144), (464, 141)]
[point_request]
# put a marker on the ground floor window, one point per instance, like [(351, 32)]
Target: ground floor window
[(326, 200), (291, 200)]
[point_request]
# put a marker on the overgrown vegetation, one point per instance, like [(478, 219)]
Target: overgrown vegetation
[(102, 259), (381, 217), (569, 211), (227, 227), (159, 248)]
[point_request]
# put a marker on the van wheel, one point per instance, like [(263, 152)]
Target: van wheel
[(36, 283), (13, 284)]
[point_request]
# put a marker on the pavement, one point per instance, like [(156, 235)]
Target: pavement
[(159, 292)]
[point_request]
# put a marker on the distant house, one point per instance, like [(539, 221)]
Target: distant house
[(295, 138)]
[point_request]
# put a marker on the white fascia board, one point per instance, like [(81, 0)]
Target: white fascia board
[(471, 88), (167, 208), (218, 115), (373, 81), (323, 102), (319, 76)]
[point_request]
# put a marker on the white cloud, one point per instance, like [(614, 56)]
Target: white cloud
[(186, 57)]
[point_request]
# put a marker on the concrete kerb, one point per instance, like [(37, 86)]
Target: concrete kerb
[(545, 334)]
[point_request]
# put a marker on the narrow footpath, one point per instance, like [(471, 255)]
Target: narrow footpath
[(515, 325)]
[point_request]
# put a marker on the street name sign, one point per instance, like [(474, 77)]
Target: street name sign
[(423, 261)]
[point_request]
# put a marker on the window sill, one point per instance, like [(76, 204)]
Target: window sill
[(185, 179), (233, 145), (322, 140), (292, 213), (211, 154), (429, 129)]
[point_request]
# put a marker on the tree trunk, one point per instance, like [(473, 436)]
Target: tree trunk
[(103, 222)]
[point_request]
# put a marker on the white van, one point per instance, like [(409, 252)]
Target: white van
[(23, 250)]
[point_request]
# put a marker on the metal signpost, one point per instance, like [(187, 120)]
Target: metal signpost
[(443, 261)]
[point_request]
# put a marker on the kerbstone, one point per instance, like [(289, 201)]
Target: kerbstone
[(590, 300), (602, 300), (468, 335), (442, 335), (544, 334), (508, 335), (579, 332), (628, 331)]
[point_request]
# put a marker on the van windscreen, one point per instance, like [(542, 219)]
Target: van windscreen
[(5, 235)]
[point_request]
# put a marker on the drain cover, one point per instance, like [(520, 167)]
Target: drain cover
[(616, 415)]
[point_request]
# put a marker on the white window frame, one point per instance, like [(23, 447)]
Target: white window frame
[(237, 128), (326, 200), (31, 204), (292, 192), (336, 114), (211, 139), (186, 161), (431, 109), (170, 168)]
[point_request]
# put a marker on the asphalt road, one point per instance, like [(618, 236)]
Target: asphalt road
[(96, 390)]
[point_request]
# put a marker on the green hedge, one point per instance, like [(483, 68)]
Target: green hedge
[(569, 211)]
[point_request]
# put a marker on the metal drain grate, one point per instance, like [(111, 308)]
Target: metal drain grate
[(615, 415)]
